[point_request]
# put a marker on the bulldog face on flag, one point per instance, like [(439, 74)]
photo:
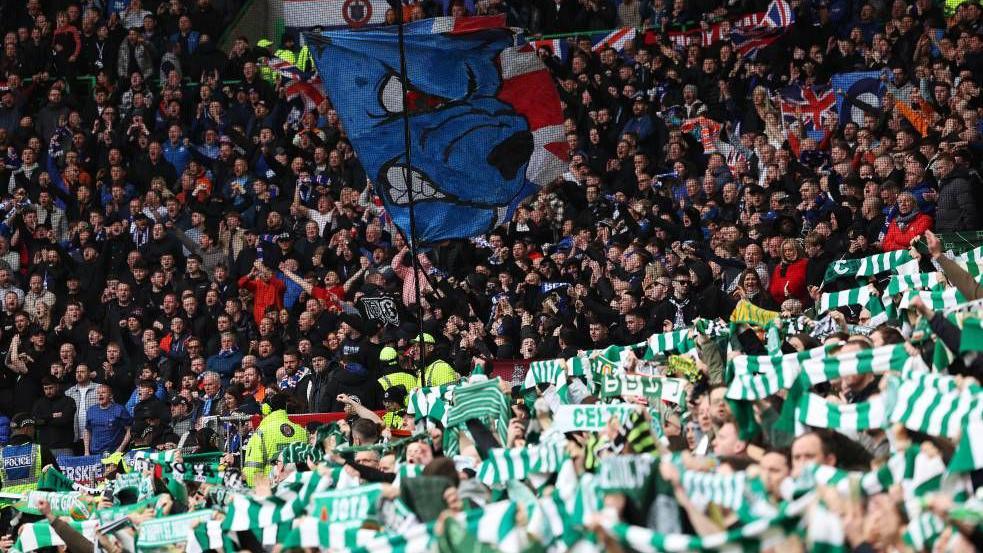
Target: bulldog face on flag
[(484, 116)]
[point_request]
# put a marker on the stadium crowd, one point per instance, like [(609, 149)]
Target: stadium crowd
[(181, 239)]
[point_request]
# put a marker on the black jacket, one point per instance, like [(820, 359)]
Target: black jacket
[(345, 381), (957, 208), (148, 409), (313, 392), (55, 420)]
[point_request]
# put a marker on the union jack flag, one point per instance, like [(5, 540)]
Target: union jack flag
[(779, 15), (617, 39), (807, 104), (749, 40), (297, 83), (748, 43), (704, 129)]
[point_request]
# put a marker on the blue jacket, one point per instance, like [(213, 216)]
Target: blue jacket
[(225, 364), (191, 41), (178, 154)]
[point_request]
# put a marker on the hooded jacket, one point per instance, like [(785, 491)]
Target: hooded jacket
[(957, 209), (351, 379)]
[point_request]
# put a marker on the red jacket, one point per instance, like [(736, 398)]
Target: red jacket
[(265, 294), (897, 239), (795, 276)]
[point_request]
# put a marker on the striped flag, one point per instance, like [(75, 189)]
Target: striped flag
[(867, 266), (617, 39), (817, 412)]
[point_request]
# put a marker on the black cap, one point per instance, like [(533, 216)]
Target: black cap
[(180, 400), (395, 394), (21, 420)]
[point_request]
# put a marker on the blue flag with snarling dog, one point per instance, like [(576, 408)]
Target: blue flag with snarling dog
[(486, 128)]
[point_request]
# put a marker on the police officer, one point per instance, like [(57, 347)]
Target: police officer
[(22, 458), (438, 372), (392, 373), (263, 55), (288, 51), (273, 434), (394, 400)]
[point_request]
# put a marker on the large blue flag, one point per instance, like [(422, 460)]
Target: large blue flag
[(485, 120), (853, 90)]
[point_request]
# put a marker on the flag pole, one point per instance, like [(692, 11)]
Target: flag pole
[(407, 180)]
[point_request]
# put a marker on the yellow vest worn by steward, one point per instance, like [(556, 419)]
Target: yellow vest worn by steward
[(438, 373), (274, 433), (21, 467), (286, 55), (404, 379)]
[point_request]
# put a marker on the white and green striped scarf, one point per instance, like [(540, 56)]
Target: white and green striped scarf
[(777, 373), (757, 364), (824, 531), (817, 412), (428, 403), (311, 532), (762, 534), (865, 296), (548, 372), (867, 266), (476, 400), (208, 535), (736, 491), (925, 409), (937, 300), (919, 281), (520, 463), (969, 453), (38, 535), (974, 255), (922, 531), (668, 341)]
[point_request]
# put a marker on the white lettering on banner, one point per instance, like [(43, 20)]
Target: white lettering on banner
[(62, 503), (352, 504), (590, 418), (84, 473), (164, 531), (627, 472)]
